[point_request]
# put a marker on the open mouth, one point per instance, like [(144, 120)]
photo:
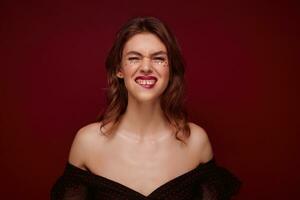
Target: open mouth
[(146, 81)]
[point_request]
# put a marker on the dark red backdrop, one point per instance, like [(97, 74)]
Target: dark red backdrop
[(241, 85)]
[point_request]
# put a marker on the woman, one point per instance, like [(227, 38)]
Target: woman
[(143, 147)]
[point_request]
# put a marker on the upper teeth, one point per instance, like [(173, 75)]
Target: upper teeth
[(145, 82)]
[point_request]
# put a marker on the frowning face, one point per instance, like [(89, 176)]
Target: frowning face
[(144, 67)]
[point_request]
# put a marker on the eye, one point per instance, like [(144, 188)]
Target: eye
[(133, 58), (159, 60)]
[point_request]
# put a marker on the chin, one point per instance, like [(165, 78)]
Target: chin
[(144, 98), (145, 95)]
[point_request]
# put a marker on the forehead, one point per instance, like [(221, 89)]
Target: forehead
[(144, 43)]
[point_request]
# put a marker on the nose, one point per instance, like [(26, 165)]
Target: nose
[(146, 65)]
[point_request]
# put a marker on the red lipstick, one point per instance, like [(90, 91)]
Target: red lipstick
[(146, 78), (146, 81)]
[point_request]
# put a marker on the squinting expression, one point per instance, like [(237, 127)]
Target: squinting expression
[(144, 67)]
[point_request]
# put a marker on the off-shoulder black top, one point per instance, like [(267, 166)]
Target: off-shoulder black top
[(207, 181)]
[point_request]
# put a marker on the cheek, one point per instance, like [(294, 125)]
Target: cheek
[(166, 74), (126, 71)]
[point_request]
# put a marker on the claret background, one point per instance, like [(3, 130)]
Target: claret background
[(241, 79)]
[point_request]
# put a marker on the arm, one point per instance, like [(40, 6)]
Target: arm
[(217, 183), (73, 184), (220, 184), (199, 144), (69, 187)]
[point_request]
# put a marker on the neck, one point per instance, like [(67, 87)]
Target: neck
[(143, 120)]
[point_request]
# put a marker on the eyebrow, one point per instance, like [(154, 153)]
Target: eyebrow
[(153, 54)]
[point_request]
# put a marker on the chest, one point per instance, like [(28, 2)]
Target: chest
[(142, 169)]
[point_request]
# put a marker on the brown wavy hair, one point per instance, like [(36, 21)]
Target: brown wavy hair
[(172, 98)]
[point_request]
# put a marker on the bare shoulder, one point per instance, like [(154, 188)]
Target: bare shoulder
[(199, 144), (83, 144)]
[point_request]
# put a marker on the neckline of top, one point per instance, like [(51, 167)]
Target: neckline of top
[(128, 190)]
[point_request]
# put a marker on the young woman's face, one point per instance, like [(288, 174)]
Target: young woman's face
[(144, 67)]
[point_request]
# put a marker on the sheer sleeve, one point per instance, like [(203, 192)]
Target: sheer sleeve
[(217, 183), (72, 185)]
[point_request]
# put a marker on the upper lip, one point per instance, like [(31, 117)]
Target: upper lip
[(146, 78)]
